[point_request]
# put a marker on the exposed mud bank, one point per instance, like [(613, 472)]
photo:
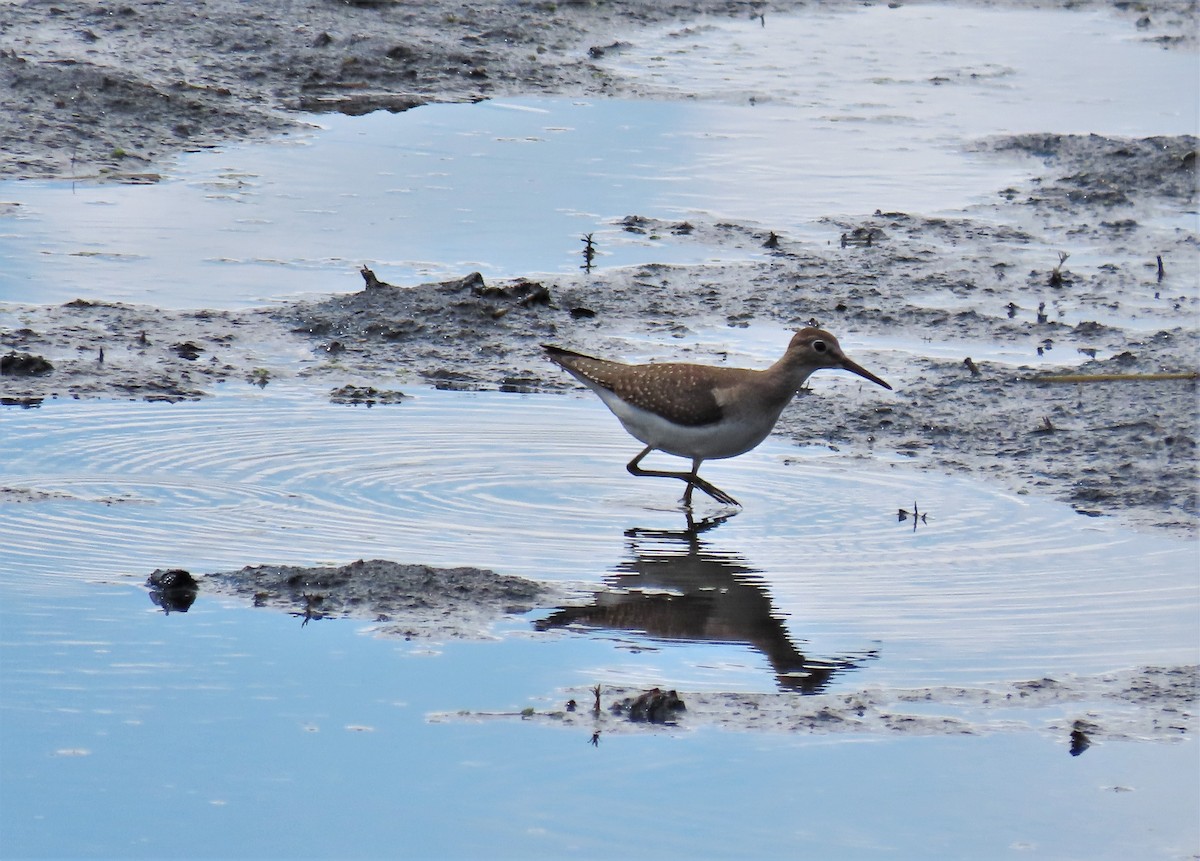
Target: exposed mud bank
[(404, 600), (1147, 703), (429, 603), (113, 88), (110, 349), (118, 87), (1124, 447)]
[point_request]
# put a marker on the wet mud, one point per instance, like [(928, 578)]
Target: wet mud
[(1146, 703), (109, 89), (1123, 447), (402, 600), (421, 602)]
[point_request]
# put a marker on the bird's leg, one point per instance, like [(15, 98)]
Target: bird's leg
[(693, 480), (694, 477)]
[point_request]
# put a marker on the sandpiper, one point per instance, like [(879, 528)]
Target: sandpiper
[(700, 411)]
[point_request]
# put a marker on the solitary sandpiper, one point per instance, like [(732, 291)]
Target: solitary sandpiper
[(700, 411)]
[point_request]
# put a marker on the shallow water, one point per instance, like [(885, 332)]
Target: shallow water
[(239, 734), (504, 188), (943, 72), (253, 730), (852, 112), (534, 485)]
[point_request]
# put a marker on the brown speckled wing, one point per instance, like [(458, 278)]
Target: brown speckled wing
[(679, 393)]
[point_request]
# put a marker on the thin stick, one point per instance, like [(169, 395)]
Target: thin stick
[(1113, 378)]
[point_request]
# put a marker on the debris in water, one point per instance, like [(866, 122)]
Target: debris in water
[(1079, 739), (589, 252), (1056, 276), (173, 590), (917, 516)]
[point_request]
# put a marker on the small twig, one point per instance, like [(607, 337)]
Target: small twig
[(589, 251), (1056, 278), (373, 283), (1113, 378), (916, 515)]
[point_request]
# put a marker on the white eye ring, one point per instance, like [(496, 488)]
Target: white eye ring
[(819, 346)]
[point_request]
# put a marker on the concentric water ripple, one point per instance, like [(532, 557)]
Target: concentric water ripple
[(992, 584)]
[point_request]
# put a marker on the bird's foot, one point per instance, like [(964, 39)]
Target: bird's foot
[(712, 490)]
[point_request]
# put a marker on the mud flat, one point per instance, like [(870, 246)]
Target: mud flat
[(1147, 703), (1124, 446), (403, 600), (114, 87), (113, 90), (1044, 340), (437, 604)]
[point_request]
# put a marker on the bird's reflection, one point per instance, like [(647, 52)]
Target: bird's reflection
[(675, 587)]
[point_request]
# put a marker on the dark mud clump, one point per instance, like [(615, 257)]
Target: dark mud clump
[(24, 365), (174, 591), (367, 396), (652, 706), (405, 600)]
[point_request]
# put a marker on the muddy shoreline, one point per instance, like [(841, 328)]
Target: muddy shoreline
[(1143, 704), (111, 92), (1123, 447), (400, 600), (433, 604), (114, 90)]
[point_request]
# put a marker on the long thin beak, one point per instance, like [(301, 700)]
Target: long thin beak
[(855, 368)]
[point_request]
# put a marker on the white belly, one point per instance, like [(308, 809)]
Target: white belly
[(729, 438)]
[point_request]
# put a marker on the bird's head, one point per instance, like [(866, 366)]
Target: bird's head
[(813, 349)]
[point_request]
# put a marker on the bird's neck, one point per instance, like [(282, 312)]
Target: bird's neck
[(787, 376), (775, 386)]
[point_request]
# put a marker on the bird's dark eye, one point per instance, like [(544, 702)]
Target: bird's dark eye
[(819, 346)]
